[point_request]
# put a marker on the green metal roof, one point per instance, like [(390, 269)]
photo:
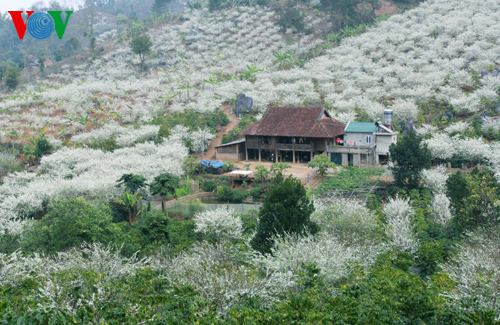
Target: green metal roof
[(361, 127)]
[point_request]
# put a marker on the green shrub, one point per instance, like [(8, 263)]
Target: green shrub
[(69, 223), (209, 185), (183, 191), (8, 163), (107, 145), (153, 227)]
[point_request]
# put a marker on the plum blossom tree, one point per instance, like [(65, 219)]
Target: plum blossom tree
[(219, 224), (399, 226), (347, 219), (441, 208), (435, 178), (200, 139), (475, 271)]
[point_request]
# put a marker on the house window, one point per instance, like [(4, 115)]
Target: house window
[(368, 139)]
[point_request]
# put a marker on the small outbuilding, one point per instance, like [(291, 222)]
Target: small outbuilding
[(232, 151)]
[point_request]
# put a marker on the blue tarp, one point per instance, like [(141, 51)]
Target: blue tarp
[(212, 163)]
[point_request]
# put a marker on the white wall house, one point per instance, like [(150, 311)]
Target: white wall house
[(363, 144)]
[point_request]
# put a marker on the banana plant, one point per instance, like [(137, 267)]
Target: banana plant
[(250, 73), (30, 152), (281, 59), (83, 120), (212, 81), (115, 115), (187, 87), (129, 202)]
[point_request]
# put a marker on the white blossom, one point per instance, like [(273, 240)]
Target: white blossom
[(435, 178), (441, 208), (219, 224), (399, 227), (476, 271)]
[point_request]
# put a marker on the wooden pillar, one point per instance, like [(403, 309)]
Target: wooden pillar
[(276, 154), (246, 152), (293, 153), (260, 159)]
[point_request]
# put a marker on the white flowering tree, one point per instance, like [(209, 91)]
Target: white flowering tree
[(216, 274), (332, 256), (435, 179), (219, 224), (399, 226), (476, 271), (200, 140), (440, 208), (347, 219)]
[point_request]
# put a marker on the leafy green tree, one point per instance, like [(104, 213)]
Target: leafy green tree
[(290, 17), (159, 6), (74, 43), (11, 78), (43, 147), (3, 70), (8, 163), (132, 182), (410, 156), (154, 226), (141, 45), (350, 12), (42, 65), (164, 185), (473, 199), (323, 163), (286, 211), (216, 4), (278, 168), (261, 173), (69, 223), (190, 166)]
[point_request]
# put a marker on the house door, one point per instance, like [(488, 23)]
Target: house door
[(336, 158), (350, 159)]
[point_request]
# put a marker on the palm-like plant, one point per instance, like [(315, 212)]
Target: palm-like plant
[(129, 201), (212, 81)]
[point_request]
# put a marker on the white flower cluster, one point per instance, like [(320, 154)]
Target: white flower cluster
[(476, 271), (435, 179), (216, 274), (441, 208), (219, 224), (334, 258), (347, 219), (399, 226), (125, 136), (84, 172), (443, 146)]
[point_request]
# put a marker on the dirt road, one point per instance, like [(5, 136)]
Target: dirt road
[(233, 122)]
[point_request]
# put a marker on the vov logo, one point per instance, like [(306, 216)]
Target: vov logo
[(40, 25)]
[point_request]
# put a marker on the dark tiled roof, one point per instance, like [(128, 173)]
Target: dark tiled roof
[(307, 122)]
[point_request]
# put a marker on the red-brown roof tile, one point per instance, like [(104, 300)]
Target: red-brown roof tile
[(307, 122)]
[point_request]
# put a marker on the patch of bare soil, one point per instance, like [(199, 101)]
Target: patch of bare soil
[(387, 7), (233, 122)]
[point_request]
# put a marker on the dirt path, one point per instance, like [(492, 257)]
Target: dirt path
[(233, 123)]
